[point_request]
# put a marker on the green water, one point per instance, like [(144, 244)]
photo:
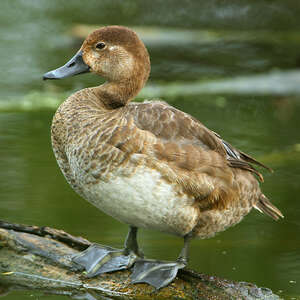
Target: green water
[(260, 115)]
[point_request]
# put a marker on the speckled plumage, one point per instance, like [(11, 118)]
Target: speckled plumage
[(149, 164)]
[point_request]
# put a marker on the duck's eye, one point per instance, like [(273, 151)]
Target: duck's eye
[(100, 45)]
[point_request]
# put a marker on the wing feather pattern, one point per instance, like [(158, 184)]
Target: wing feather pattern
[(199, 159), (178, 129)]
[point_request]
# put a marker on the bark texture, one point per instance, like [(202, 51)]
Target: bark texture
[(34, 257)]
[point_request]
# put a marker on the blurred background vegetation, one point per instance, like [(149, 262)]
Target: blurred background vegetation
[(234, 65)]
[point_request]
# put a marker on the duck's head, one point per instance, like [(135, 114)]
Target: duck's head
[(113, 52)]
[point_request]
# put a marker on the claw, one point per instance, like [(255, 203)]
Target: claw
[(155, 273)]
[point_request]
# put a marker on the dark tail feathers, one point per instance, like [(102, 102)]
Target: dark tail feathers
[(265, 206)]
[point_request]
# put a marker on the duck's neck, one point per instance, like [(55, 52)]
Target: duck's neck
[(116, 94)]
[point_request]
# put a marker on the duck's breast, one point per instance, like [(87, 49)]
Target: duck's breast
[(142, 199)]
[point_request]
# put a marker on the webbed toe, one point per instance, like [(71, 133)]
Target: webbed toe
[(154, 272)]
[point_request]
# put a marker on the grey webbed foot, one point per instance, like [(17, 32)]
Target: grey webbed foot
[(98, 259), (160, 273), (154, 272)]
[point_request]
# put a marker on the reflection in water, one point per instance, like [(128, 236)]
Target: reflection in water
[(32, 189)]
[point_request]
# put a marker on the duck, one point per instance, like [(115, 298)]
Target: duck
[(146, 164)]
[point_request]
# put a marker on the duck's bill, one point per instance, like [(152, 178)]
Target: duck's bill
[(74, 66)]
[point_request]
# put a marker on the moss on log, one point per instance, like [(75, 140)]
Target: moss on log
[(34, 257)]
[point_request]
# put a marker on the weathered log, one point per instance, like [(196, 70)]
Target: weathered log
[(34, 257)]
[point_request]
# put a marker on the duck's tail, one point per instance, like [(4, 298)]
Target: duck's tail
[(265, 206)]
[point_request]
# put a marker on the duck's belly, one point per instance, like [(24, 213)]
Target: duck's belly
[(143, 199)]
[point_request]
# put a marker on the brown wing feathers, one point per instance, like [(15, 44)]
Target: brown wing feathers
[(234, 163), (188, 144), (172, 125), (250, 159), (239, 159)]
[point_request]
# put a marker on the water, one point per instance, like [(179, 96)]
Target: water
[(245, 42)]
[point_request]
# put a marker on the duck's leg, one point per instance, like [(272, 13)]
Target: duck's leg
[(160, 273), (98, 259)]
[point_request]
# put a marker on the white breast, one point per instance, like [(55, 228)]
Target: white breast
[(143, 199)]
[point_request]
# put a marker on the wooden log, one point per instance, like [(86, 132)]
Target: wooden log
[(34, 257)]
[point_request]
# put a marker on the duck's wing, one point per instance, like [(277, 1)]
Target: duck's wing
[(175, 127), (199, 159), (239, 159)]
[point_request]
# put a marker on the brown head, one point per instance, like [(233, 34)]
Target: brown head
[(115, 53)]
